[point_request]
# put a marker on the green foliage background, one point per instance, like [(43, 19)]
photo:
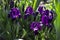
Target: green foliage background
[(10, 30)]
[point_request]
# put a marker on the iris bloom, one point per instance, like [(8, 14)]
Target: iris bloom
[(29, 11), (35, 26), (46, 15), (14, 13), (41, 9)]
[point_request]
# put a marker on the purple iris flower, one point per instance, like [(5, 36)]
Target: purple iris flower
[(35, 26), (47, 17), (14, 13), (41, 9), (29, 11), (45, 20)]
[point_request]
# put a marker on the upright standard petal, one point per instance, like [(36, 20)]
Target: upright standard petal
[(29, 10)]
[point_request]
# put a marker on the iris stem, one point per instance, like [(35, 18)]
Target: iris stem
[(43, 38), (36, 37), (58, 35), (24, 33)]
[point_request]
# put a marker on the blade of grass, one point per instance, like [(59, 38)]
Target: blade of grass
[(57, 21)]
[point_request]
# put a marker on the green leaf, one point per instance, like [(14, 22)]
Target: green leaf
[(57, 21), (36, 4)]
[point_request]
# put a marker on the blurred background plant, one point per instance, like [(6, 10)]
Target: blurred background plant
[(11, 29)]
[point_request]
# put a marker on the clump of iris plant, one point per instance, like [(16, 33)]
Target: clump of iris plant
[(39, 21), (14, 13), (46, 15)]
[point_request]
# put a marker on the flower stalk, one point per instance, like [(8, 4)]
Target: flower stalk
[(36, 37)]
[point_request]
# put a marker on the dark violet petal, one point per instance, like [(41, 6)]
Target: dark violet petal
[(13, 19), (36, 32), (35, 14), (45, 20), (11, 4), (19, 16), (8, 15), (26, 16), (40, 9), (50, 25), (29, 10), (47, 12), (51, 15)]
